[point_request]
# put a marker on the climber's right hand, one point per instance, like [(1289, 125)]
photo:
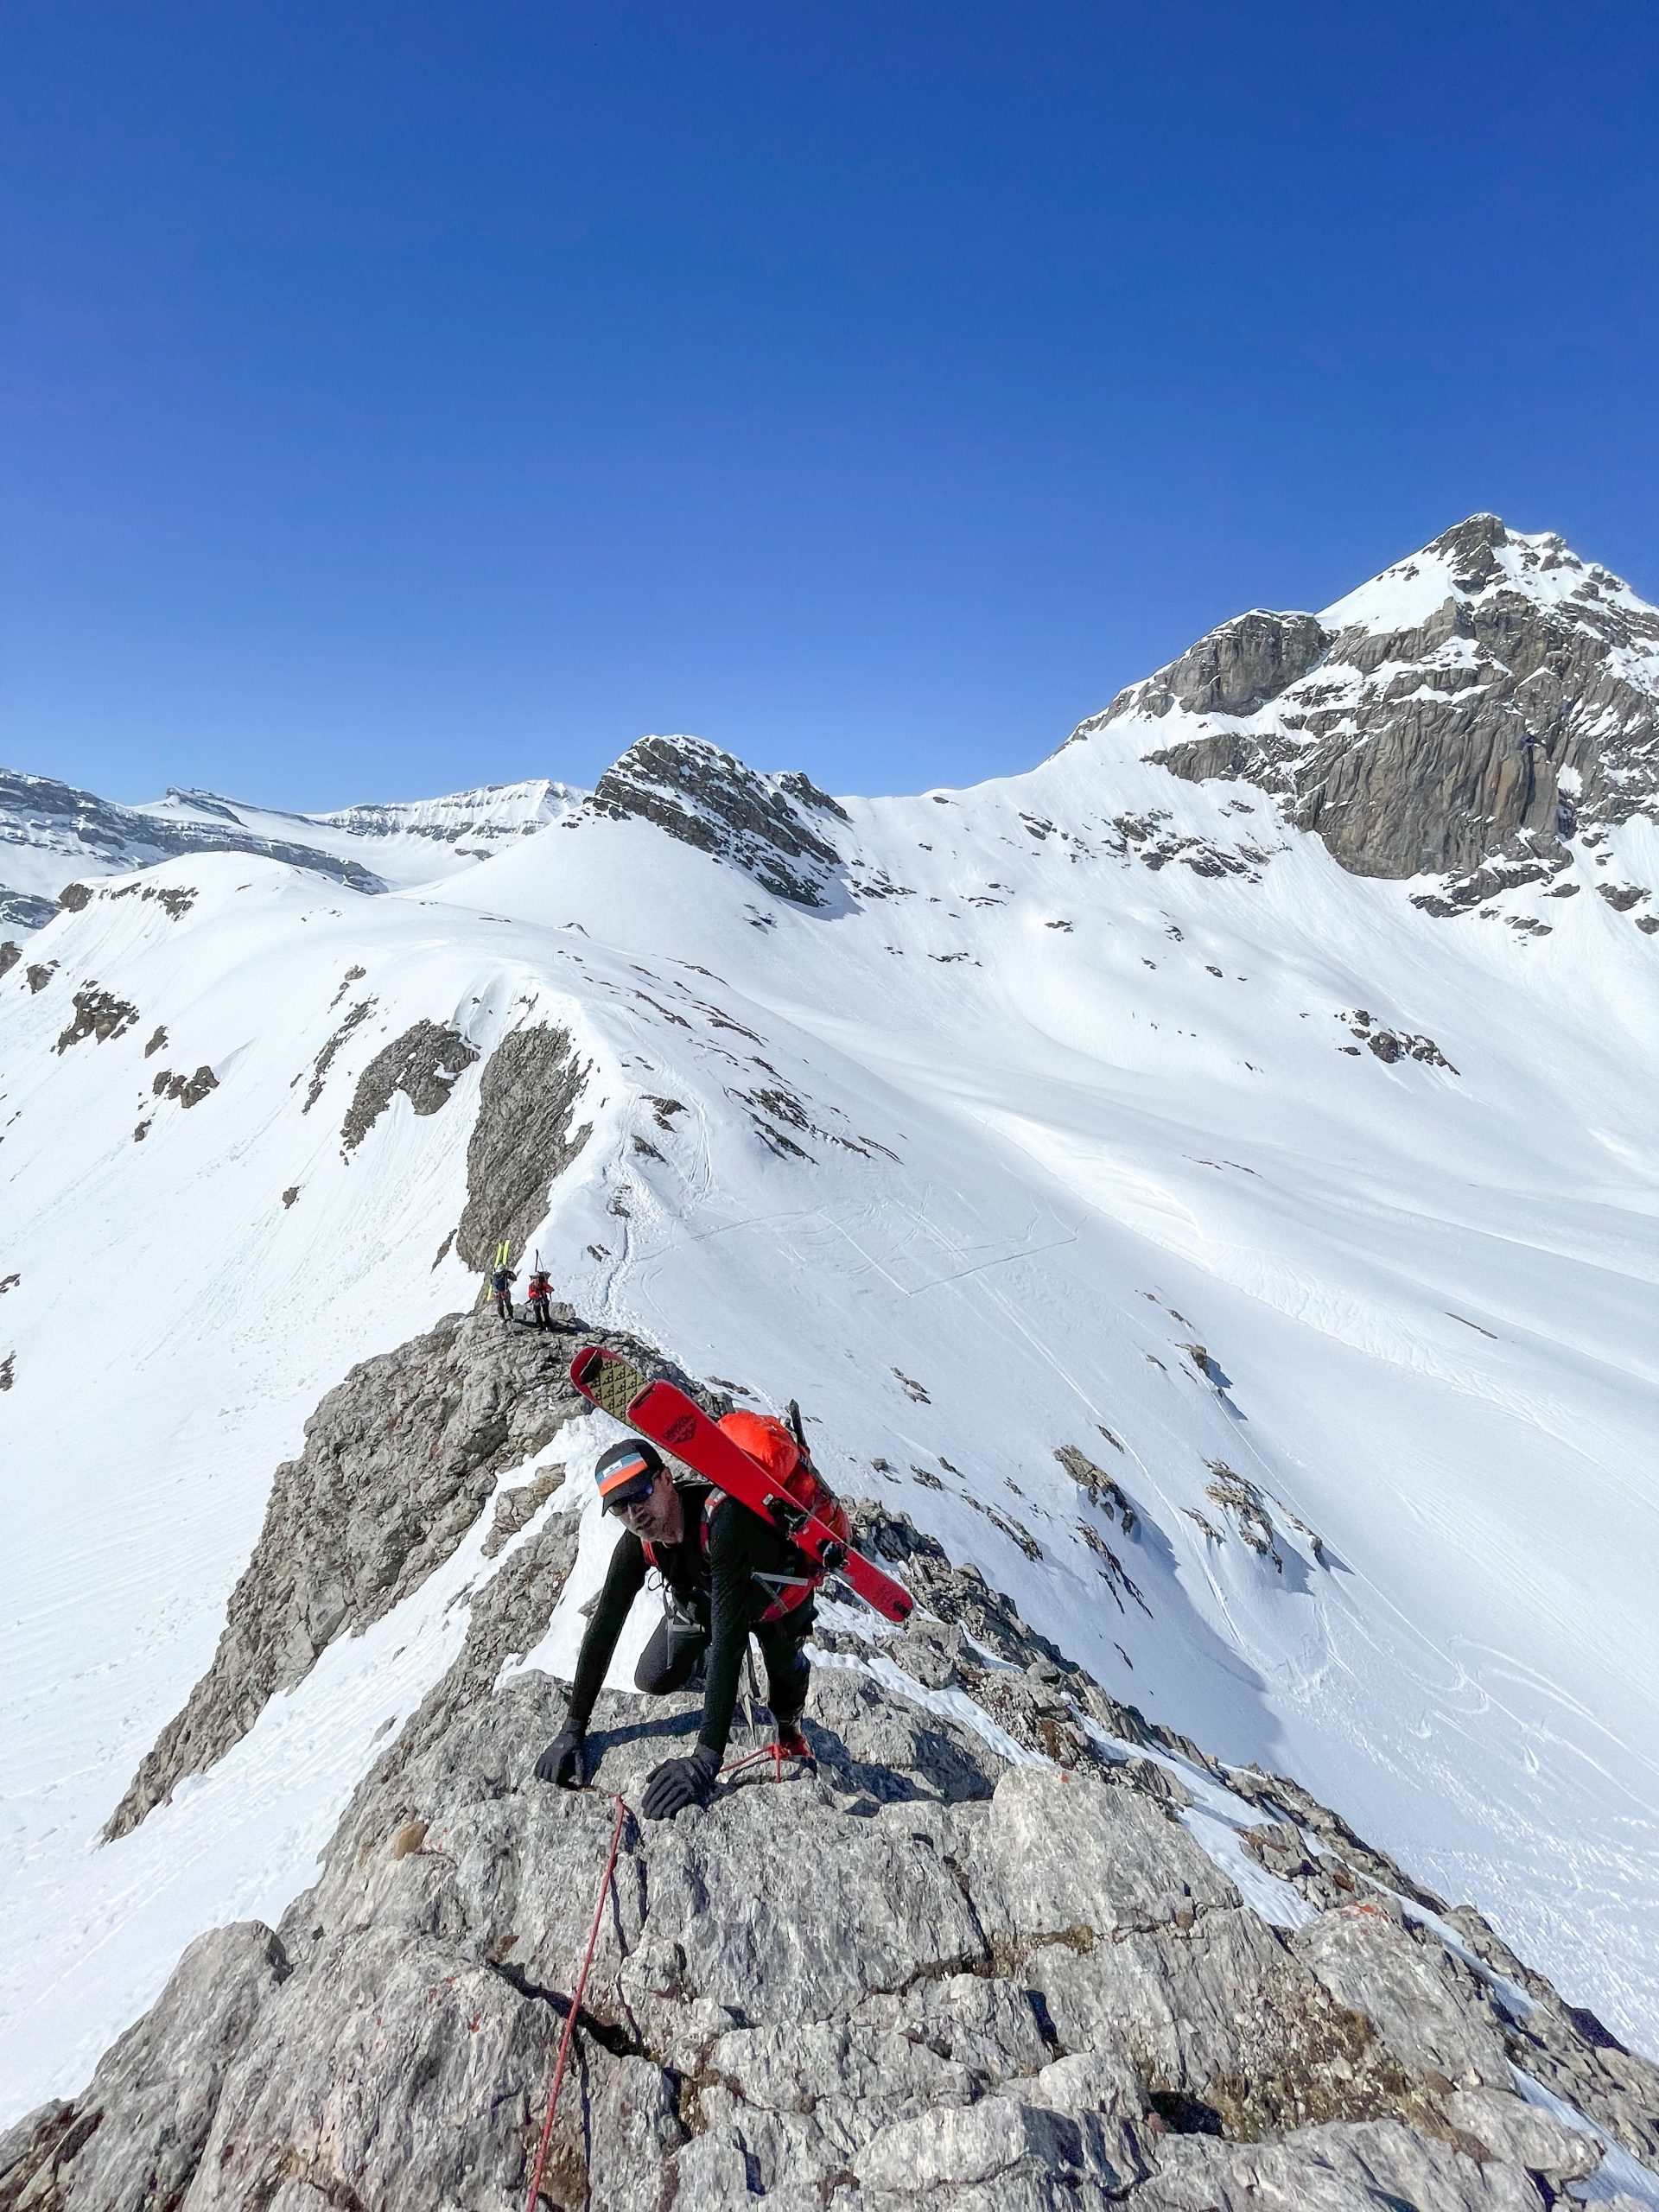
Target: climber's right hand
[(565, 1761)]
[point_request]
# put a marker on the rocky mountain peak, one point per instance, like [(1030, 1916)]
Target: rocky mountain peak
[(1466, 712), (52, 833), (1469, 549), (1234, 670), (485, 818), (772, 827)]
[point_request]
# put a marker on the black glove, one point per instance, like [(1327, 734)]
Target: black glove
[(565, 1760), (677, 1783)]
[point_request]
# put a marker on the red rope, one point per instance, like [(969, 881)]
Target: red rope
[(773, 1751), (575, 2007), (777, 1754)]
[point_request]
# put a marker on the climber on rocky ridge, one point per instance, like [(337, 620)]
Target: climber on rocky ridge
[(726, 1573)]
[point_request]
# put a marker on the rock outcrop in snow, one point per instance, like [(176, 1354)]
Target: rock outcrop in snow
[(1464, 714), (765, 824), (52, 833), (423, 1065), (398, 1461), (523, 1139)]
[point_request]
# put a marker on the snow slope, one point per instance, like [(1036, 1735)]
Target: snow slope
[(407, 841), (52, 834), (1052, 1125)]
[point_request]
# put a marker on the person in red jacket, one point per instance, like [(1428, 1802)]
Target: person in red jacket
[(537, 1292)]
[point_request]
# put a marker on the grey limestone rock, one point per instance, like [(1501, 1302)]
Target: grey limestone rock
[(800, 1995), (1239, 667), (1469, 745), (157, 2087), (930, 1650), (398, 1461), (1510, 2128), (523, 1139), (1221, 2021), (892, 1751), (1374, 2166), (706, 798), (1000, 2140), (1058, 1852), (913, 1977), (423, 1064), (516, 1507), (1427, 2004)]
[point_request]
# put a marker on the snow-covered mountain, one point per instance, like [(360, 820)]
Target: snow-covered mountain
[(52, 835), (1206, 1182), (1470, 711)]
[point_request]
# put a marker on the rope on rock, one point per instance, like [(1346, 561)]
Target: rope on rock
[(575, 2007), (775, 1752), (778, 1755)]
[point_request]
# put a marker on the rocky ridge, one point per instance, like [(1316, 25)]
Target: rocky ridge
[(94, 836), (772, 827), (1475, 713), (1469, 713), (1011, 1946), (493, 816), (399, 1460)]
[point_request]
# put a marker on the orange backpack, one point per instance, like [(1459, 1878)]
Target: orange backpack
[(769, 1442)]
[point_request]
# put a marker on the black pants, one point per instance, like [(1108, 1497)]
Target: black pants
[(539, 1307), (679, 1640)]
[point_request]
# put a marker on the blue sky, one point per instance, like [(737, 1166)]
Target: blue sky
[(395, 397)]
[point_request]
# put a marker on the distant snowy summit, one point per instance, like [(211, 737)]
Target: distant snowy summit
[(1461, 717), (52, 834)]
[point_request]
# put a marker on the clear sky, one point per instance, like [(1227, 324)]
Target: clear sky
[(400, 396)]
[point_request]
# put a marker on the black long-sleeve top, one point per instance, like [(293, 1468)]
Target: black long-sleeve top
[(718, 1585)]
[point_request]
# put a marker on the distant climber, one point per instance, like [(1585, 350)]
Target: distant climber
[(501, 1282), (538, 1291), (726, 1573)]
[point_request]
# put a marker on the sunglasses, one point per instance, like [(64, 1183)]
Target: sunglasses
[(633, 1492)]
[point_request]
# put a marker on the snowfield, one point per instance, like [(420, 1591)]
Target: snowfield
[(1056, 1125)]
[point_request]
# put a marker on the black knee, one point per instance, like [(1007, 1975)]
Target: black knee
[(670, 1659)]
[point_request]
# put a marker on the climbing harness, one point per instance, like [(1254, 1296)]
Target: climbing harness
[(576, 2006)]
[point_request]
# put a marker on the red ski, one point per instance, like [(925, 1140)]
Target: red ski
[(668, 1417)]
